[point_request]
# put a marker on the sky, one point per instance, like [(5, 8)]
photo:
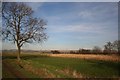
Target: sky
[(74, 25)]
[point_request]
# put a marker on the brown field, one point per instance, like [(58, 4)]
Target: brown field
[(81, 56), (89, 56)]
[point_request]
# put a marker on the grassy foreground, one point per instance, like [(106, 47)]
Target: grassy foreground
[(44, 66)]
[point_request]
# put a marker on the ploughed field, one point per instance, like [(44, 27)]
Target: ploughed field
[(60, 66)]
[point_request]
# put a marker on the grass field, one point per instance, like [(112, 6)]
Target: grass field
[(49, 66)]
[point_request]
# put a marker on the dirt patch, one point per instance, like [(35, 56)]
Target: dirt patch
[(15, 73)]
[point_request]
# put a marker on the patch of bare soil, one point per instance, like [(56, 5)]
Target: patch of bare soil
[(17, 74)]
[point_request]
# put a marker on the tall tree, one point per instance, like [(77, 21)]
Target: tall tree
[(20, 27), (116, 45), (97, 49), (108, 47)]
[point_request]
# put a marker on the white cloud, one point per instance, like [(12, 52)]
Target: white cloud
[(100, 11), (91, 27), (85, 14)]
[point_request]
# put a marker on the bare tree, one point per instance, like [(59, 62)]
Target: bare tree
[(116, 45), (97, 49), (20, 27), (108, 47)]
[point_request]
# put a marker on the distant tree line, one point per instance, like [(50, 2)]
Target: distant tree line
[(55, 52), (109, 48)]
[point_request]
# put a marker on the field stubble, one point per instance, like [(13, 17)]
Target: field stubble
[(89, 56)]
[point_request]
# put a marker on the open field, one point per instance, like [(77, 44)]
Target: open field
[(60, 66), (89, 56)]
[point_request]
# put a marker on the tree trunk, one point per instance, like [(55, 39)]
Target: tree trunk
[(18, 56)]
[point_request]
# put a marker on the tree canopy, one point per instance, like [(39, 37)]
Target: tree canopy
[(20, 26)]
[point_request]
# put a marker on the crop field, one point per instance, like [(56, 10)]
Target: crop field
[(60, 66)]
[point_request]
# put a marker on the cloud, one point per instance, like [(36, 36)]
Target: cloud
[(99, 11), (85, 32), (81, 24), (92, 18), (85, 14), (84, 27)]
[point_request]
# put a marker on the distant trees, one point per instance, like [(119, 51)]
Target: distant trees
[(72, 52), (20, 27), (116, 45), (112, 47), (84, 51), (96, 50), (108, 47), (55, 52)]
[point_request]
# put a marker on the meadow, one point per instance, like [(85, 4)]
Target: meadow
[(60, 66)]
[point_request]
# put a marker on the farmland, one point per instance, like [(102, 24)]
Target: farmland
[(82, 40), (60, 66)]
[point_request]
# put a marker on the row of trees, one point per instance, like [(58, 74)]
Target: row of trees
[(112, 47), (109, 48)]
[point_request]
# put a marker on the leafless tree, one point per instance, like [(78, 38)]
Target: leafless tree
[(19, 25), (112, 47), (97, 49), (116, 45), (108, 47)]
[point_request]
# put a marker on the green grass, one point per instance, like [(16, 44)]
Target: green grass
[(91, 68), (53, 65)]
